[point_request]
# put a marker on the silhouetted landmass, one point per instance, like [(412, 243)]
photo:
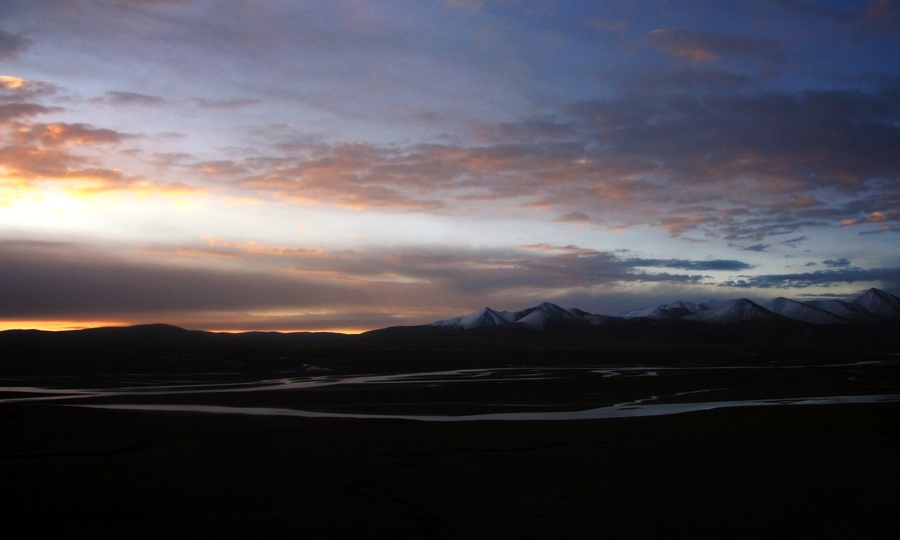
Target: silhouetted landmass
[(153, 347)]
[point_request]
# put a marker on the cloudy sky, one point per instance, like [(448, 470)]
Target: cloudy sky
[(349, 165)]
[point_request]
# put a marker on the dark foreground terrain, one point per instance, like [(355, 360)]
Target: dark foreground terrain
[(798, 462)]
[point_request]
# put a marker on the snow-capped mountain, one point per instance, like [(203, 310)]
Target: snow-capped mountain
[(478, 319), (536, 317), (740, 310), (871, 307), (846, 310), (675, 310), (800, 311), (880, 303)]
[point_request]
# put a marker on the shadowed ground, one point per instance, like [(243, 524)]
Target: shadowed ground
[(823, 471), (802, 472)]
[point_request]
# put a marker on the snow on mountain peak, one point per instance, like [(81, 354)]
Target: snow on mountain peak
[(880, 303), (799, 311), (740, 310), (536, 317), (871, 307)]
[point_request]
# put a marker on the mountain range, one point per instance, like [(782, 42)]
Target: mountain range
[(870, 308), (875, 313)]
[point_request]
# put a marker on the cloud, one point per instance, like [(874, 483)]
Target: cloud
[(355, 176), (888, 277), (217, 283), (61, 155), (28, 167), (574, 217), (59, 280), (758, 248), (14, 89), (645, 152), (61, 133), (881, 230), (757, 165), (874, 217), (815, 138), (15, 111), (717, 264), (234, 103), (63, 280), (12, 45), (35, 162), (220, 168), (465, 275), (696, 79), (701, 46), (170, 159), (628, 268), (843, 262), (423, 177), (257, 248), (130, 98)]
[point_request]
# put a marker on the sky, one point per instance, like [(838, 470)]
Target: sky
[(298, 165)]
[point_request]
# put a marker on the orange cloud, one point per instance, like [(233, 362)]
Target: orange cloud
[(13, 83), (187, 252), (255, 247), (16, 89), (874, 217), (677, 225), (58, 156), (551, 248), (233, 250), (34, 163), (62, 133)]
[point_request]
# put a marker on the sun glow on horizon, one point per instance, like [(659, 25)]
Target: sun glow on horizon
[(66, 325), (56, 326), (349, 331)]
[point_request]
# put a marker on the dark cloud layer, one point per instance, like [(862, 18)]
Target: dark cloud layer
[(47, 279), (17, 111), (889, 277), (367, 289), (130, 98), (721, 264), (64, 280), (12, 45)]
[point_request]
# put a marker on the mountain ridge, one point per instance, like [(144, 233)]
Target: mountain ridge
[(871, 307), (679, 321)]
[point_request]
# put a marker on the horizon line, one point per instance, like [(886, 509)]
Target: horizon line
[(71, 326)]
